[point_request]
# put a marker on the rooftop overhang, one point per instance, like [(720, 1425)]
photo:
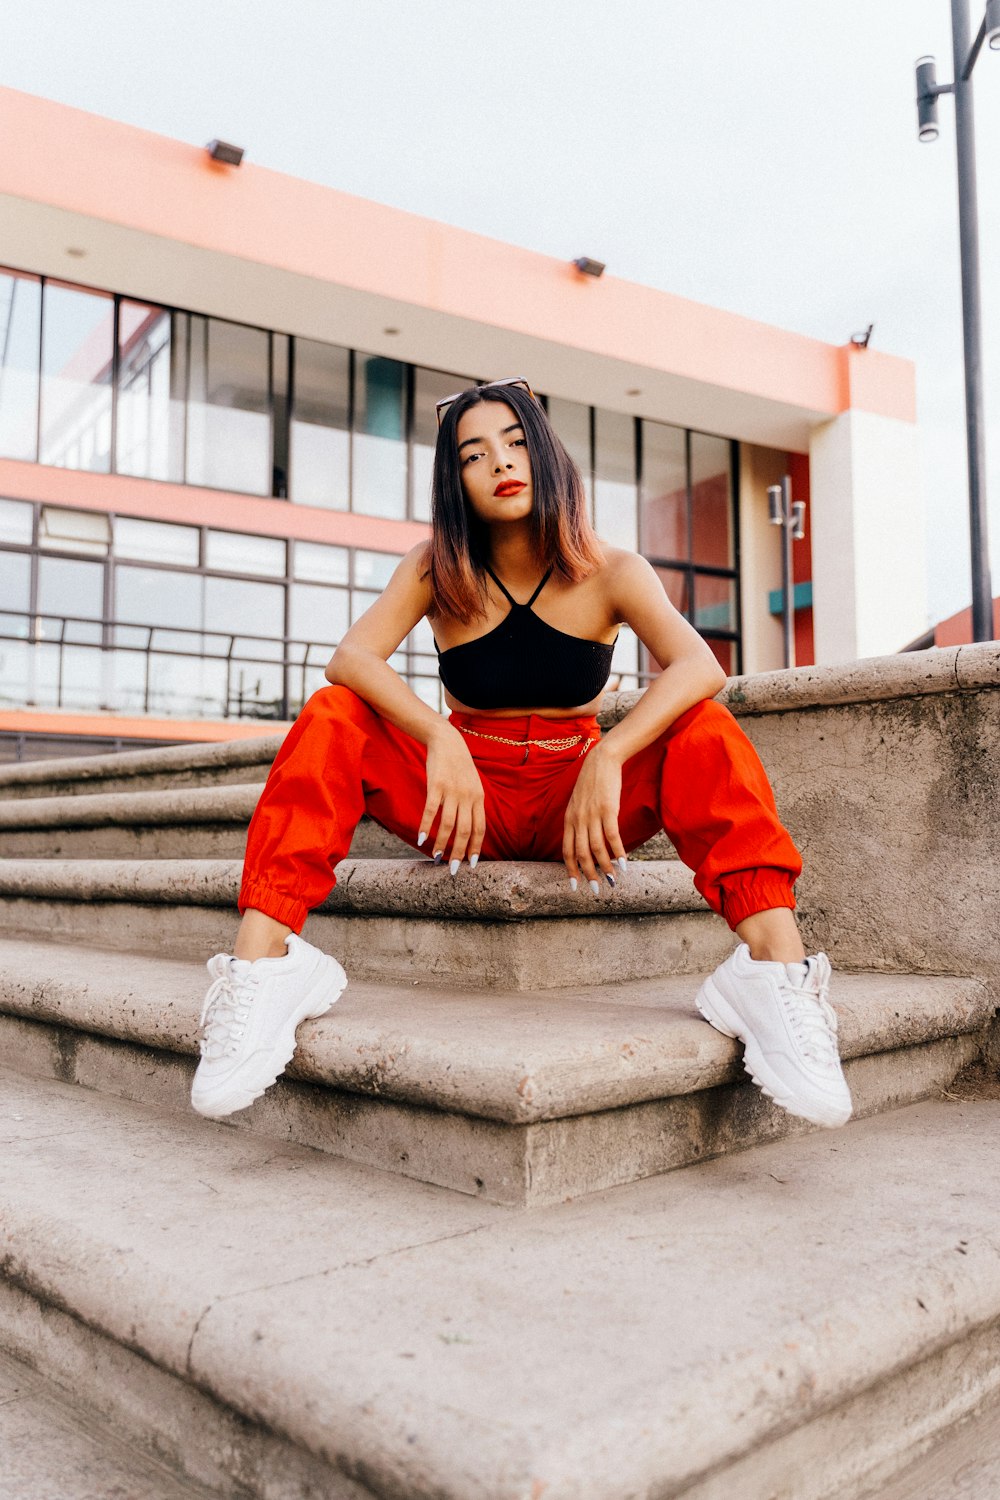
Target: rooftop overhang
[(157, 219)]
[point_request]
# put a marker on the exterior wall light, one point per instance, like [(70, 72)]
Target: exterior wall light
[(993, 24), (588, 267), (223, 151)]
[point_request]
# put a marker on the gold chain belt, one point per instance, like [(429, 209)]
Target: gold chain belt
[(554, 744)]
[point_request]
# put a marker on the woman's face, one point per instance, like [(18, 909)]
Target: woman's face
[(494, 463)]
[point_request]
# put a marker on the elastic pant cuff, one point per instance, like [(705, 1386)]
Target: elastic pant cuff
[(284, 909), (759, 890)]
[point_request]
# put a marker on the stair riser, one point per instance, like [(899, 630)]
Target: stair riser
[(201, 1440), (191, 841), (852, 1451), (544, 953), (515, 1165)]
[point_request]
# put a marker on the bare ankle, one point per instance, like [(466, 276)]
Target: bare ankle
[(773, 936), (260, 936)]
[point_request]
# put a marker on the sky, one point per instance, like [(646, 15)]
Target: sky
[(761, 158)]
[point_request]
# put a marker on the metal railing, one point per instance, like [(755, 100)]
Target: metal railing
[(71, 662)]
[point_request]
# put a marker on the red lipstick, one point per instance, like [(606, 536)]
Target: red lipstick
[(509, 487)]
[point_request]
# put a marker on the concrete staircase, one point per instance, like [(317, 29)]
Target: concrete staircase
[(331, 1296)]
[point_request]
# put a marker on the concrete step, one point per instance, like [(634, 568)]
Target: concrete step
[(964, 1464), (792, 1322), (169, 767), (513, 925), (53, 1448), (183, 823), (515, 1098)]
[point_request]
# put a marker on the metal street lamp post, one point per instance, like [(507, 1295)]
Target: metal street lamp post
[(928, 90)]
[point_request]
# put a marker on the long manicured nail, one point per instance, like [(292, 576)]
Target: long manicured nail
[(572, 883), (595, 888), (420, 839), (622, 863), (609, 878), (439, 856), (473, 861), (453, 867)]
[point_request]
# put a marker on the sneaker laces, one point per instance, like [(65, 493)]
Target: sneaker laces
[(813, 1018), (227, 1006)]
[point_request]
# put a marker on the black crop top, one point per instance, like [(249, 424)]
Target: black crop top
[(525, 663)]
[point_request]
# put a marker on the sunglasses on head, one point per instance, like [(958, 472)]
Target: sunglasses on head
[(491, 385)]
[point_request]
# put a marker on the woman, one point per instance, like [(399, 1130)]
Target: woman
[(525, 602)]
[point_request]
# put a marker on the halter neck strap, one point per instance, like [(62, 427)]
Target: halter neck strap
[(510, 597)]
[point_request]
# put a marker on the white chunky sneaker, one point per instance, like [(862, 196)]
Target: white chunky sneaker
[(249, 1020), (781, 1014)]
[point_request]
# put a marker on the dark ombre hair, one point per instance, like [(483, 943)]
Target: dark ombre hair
[(561, 529)]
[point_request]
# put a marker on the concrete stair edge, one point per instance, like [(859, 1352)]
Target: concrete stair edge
[(665, 1441), (512, 1057), (497, 890)]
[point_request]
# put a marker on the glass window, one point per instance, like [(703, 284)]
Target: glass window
[(379, 448), (15, 586), (429, 386), (624, 662), (714, 603), (664, 492), (280, 356), (16, 519), (319, 563), (232, 605), (234, 552), (69, 676), (74, 530), (614, 478), (67, 587), (571, 420), (152, 368), (317, 614), (158, 596), (156, 540), (372, 570), (711, 502), (77, 349), (725, 655), (20, 318), (360, 601), (228, 414), (15, 658), (676, 586), (320, 452)]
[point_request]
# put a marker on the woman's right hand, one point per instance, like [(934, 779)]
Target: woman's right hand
[(454, 789)]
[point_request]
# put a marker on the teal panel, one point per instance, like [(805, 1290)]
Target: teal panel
[(802, 598)]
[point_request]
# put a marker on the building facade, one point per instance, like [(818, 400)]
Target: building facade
[(217, 423)]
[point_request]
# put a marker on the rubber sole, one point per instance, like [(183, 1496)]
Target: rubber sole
[(717, 1011), (330, 983)]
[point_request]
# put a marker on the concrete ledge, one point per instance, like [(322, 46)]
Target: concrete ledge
[(496, 891), (80, 772), (875, 679), (188, 805)]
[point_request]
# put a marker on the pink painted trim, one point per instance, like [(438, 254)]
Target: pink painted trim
[(84, 164), (155, 500), (29, 721)]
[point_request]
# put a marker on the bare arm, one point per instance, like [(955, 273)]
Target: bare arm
[(361, 663), (591, 840), (690, 671)]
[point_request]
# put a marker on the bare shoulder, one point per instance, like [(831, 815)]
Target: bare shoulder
[(414, 570), (625, 574)]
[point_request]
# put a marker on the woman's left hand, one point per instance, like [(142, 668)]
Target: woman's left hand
[(591, 841)]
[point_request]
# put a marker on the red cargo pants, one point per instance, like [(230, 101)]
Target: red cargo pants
[(700, 780)]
